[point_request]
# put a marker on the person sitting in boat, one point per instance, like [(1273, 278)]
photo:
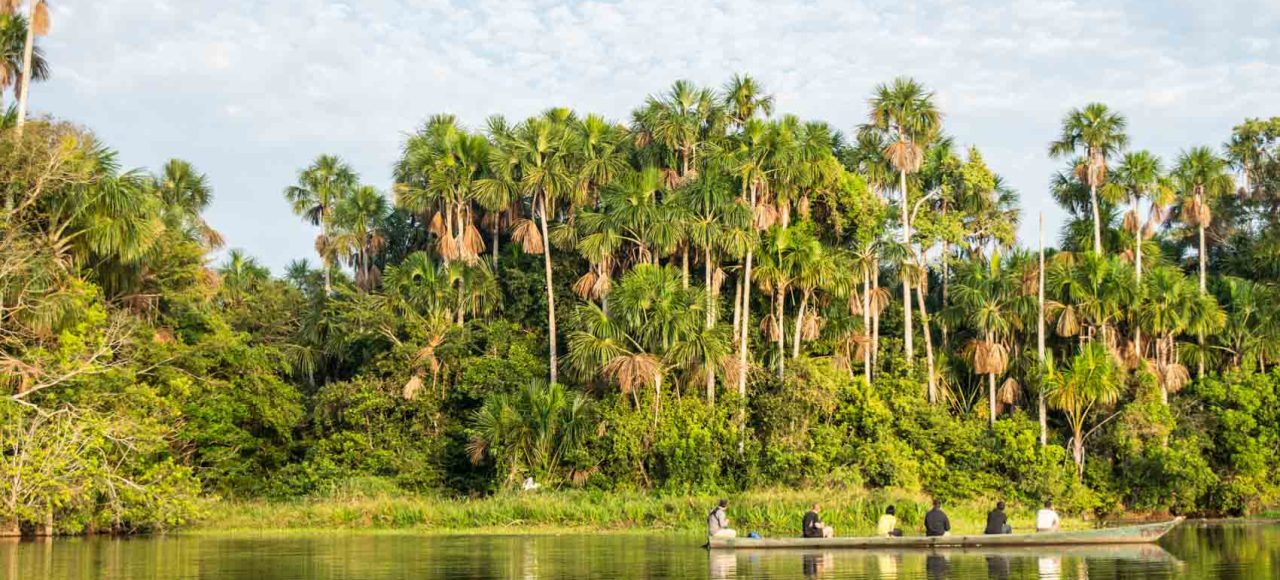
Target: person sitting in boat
[(812, 525), (888, 524), (936, 522), (1046, 519), (997, 521), (718, 522)]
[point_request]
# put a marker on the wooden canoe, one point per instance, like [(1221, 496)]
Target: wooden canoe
[(1142, 534)]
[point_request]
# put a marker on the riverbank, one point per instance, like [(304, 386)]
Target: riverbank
[(765, 511)]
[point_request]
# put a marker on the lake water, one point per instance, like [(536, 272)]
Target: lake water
[(1246, 550)]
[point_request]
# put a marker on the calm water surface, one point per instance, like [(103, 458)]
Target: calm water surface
[(1190, 551)]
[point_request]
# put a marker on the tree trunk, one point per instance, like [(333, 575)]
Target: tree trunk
[(710, 322), (779, 298), (1097, 218), (946, 274), (1077, 452), (1137, 271), (551, 294), (928, 345), (684, 266), (496, 220), (875, 320), (324, 258), (746, 334), (737, 309), (991, 397), (27, 49), (866, 325), (1044, 415), (906, 283), (795, 342)]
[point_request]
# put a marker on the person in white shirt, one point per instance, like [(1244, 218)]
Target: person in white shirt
[(1047, 519)]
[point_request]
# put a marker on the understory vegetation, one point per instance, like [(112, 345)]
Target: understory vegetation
[(710, 299)]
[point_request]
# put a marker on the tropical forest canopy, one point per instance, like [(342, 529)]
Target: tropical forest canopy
[(708, 296)]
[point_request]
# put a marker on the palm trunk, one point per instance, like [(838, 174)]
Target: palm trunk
[(875, 319), (1044, 415), (27, 50), (710, 322), (1077, 451), (746, 325), (906, 284), (737, 309), (866, 326), (1137, 270), (325, 261), (551, 295), (779, 298), (928, 345), (991, 398), (795, 343), (1203, 290), (1097, 217), (496, 220), (684, 266)]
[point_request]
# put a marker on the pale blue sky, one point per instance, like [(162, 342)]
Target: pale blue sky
[(252, 90)]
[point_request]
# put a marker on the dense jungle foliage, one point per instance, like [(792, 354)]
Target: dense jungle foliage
[(710, 297)]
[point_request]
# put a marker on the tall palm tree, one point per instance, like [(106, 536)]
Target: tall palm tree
[(989, 299), (437, 177), (320, 188), (1201, 175), (1139, 175), (906, 112), (543, 147), (745, 99), (13, 39), (359, 219), (186, 193), (38, 25), (1096, 133)]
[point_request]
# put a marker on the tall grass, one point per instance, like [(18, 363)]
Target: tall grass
[(766, 511)]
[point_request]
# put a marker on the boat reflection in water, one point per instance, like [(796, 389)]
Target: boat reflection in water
[(1043, 562)]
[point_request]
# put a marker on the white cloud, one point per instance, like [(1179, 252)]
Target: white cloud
[(251, 90)]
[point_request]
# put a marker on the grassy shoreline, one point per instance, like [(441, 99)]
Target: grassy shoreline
[(766, 511)]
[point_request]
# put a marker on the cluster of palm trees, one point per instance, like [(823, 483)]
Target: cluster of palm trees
[(21, 61), (706, 196)]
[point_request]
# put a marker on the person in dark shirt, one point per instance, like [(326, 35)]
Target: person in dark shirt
[(997, 521), (812, 525), (936, 522)]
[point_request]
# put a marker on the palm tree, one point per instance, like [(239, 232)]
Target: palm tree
[(1139, 175), (437, 177), (319, 190), (241, 275), (38, 21), (533, 431), (1089, 384), (989, 298), (905, 111), (745, 99), (681, 121), (13, 39), (542, 147), (186, 193), (1096, 133), (359, 219), (1202, 175)]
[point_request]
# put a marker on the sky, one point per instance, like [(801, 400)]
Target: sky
[(250, 91)]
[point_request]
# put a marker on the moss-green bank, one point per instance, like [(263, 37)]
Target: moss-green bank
[(767, 511)]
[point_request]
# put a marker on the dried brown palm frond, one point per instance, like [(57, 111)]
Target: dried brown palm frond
[(811, 327), (765, 216), (585, 286), (471, 241), (436, 225), (769, 327), (989, 357), (855, 303), (730, 367), (1131, 221), (526, 233), (1068, 323), (163, 336), (603, 285), (1149, 229), (411, 387), (9, 6), (40, 19), (1010, 392), (905, 156), (633, 371), (803, 207), (447, 249), (1198, 212), (579, 477), (717, 281), (1173, 377), (323, 245), (879, 300)]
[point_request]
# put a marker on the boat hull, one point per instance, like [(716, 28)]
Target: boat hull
[(1143, 534)]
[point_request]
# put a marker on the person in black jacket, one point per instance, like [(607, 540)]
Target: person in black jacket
[(936, 522), (812, 526), (997, 521)]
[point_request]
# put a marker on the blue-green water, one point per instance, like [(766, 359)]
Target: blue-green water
[(1190, 551)]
